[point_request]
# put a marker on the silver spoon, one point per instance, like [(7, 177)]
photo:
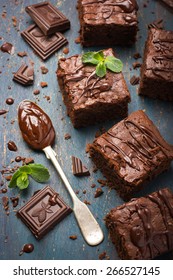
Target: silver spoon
[(37, 130)]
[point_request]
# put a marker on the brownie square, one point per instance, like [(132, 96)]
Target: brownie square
[(90, 99), (157, 69), (131, 153), (105, 22), (143, 228)]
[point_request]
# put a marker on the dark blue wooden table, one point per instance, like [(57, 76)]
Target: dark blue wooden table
[(56, 244)]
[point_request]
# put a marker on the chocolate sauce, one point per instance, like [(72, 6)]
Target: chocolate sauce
[(9, 101), (12, 146), (36, 127), (27, 248), (7, 47)]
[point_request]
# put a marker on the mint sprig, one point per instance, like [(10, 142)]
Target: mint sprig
[(20, 178), (103, 62)]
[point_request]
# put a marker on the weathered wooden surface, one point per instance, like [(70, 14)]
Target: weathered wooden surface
[(56, 244)]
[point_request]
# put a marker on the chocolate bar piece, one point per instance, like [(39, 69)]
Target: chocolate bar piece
[(43, 211), (78, 168), (48, 18), (43, 45), (24, 75)]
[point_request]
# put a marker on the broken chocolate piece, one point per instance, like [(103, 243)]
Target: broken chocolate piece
[(43, 45), (2, 112), (7, 47), (134, 80), (22, 54), (78, 168), (98, 192), (14, 201), (25, 75), (40, 215), (48, 18)]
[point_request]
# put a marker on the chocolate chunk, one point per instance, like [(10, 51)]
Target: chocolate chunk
[(98, 192), (157, 24), (48, 18), (78, 168), (66, 50), (43, 84), (8, 177), (12, 146), (73, 237), (134, 80), (27, 248), (18, 159), (5, 202), (7, 47), (40, 215), (44, 70), (136, 65), (43, 45), (2, 112), (136, 55), (36, 91), (28, 160), (24, 75), (9, 101)]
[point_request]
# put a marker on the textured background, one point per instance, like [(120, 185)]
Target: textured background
[(56, 244)]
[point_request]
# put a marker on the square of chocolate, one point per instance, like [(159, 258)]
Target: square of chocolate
[(142, 229), (24, 75), (48, 18), (157, 68), (105, 22), (90, 99), (43, 211), (131, 153), (43, 45)]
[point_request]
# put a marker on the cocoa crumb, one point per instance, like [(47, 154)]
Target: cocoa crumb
[(93, 186), (43, 84), (84, 191), (98, 192), (5, 202), (67, 136), (136, 55), (77, 40), (136, 65), (28, 160), (66, 50), (22, 54), (15, 201), (87, 202), (36, 91), (134, 80), (8, 178), (14, 20), (44, 70), (73, 237)]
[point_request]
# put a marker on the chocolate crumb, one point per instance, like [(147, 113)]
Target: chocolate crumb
[(136, 65), (22, 54), (136, 55), (134, 80), (5, 202), (8, 177), (84, 191), (43, 84), (44, 70), (87, 202), (73, 237), (93, 186), (98, 192), (18, 159), (67, 136), (2, 112), (77, 40), (66, 50), (102, 255), (15, 201), (36, 91), (14, 20), (12, 146), (28, 160)]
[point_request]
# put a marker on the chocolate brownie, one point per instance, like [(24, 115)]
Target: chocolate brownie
[(157, 69), (143, 227), (89, 98), (131, 153), (107, 22)]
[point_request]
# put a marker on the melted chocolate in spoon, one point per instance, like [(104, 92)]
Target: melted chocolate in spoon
[(36, 127)]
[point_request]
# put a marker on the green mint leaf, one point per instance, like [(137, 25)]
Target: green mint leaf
[(89, 58), (39, 173), (22, 181), (13, 182), (114, 64), (101, 70), (99, 56)]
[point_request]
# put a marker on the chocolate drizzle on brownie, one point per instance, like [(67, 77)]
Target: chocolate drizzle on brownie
[(143, 145), (144, 237)]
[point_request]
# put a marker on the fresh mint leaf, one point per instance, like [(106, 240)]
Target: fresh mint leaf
[(89, 58), (101, 69), (102, 63), (39, 173), (20, 178), (114, 64), (99, 56), (22, 181)]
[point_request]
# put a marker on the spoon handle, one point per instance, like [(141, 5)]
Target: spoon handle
[(88, 225)]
